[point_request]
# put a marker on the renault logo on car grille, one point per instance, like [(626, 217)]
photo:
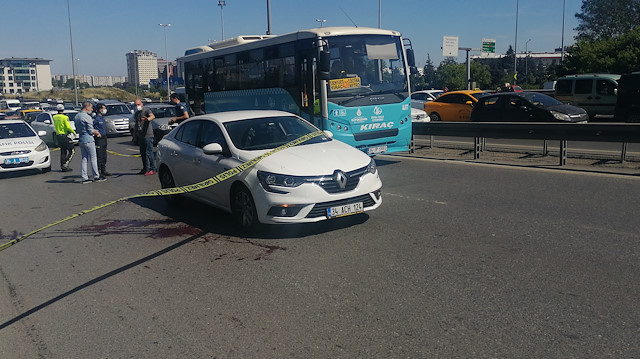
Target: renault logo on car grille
[(340, 178)]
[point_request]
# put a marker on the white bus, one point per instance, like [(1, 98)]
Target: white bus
[(351, 81)]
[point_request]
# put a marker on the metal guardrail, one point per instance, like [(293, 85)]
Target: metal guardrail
[(563, 132)]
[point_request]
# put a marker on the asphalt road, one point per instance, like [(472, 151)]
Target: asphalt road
[(462, 260)]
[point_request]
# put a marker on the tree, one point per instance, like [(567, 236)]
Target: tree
[(606, 19), (429, 74), (619, 55), (452, 75)]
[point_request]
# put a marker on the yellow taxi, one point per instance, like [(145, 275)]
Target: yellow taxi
[(453, 105), (23, 113)]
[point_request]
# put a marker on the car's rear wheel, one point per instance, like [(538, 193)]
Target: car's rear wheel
[(244, 208), (435, 116), (166, 181)]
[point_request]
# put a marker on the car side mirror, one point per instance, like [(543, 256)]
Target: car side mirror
[(328, 133), (212, 149), (469, 103), (48, 122), (42, 133)]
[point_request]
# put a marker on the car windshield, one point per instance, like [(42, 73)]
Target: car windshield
[(15, 130), (269, 132), (160, 112), (118, 110), (540, 100)]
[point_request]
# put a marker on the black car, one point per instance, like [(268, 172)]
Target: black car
[(525, 107), (628, 102)]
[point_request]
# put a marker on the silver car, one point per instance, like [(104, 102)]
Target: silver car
[(117, 117), (160, 124), (44, 122)]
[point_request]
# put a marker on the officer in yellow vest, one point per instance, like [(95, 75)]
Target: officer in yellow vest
[(63, 129)]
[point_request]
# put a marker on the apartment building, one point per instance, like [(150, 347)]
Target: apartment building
[(142, 67), (20, 75)]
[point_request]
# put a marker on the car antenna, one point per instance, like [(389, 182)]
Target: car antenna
[(349, 17)]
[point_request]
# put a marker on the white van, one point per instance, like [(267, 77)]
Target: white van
[(596, 93), (11, 105)]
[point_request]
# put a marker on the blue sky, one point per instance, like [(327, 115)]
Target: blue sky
[(103, 31)]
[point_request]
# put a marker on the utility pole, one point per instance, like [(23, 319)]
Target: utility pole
[(166, 55), (222, 4)]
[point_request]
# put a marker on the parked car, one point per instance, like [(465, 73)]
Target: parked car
[(525, 107), (453, 105), (21, 148), (510, 88), (596, 93), (117, 117), (317, 180), (163, 113), (44, 124), (31, 116), (418, 98), (419, 116), (628, 104)]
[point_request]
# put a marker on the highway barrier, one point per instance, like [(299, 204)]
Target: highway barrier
[(563, 132)]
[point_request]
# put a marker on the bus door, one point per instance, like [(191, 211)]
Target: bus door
[(310, 94)]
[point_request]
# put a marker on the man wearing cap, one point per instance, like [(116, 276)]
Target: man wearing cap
[(63, 130)]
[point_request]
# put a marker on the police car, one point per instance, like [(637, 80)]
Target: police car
[(21, 148)]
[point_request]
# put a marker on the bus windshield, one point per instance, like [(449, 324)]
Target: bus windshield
[(362, 66)]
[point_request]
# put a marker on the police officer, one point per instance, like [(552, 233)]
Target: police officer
[(63, 129), (101, 141), (181, 110)]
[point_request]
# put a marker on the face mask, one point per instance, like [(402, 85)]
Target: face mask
[(104, 111), (139, 108)]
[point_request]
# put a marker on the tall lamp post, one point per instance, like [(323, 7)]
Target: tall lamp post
[(526, 57), (222, 4), (166, 55), (73, 62)]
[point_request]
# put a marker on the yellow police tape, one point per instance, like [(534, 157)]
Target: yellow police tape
[(111, 152), (176, 190)]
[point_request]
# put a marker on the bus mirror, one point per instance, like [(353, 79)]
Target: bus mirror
[(414, 70), (411, 58), (324, 66)]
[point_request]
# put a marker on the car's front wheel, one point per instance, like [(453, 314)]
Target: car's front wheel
[(435, 116), (244, 208), (166, 181)]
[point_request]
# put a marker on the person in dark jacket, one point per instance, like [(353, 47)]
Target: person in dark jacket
[(100, 124)]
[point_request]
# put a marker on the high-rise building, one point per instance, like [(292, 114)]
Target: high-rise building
[(19, 75), (142, 66)]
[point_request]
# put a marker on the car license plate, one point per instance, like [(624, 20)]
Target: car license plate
[(347, 209), (11, 161), (377, 149)]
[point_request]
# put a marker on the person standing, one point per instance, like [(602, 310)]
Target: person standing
[(63, 130), (100, 124), (143, 118), (181, 110), (84, 126)]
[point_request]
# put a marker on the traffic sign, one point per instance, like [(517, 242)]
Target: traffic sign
[(450, 46), (489, 45)]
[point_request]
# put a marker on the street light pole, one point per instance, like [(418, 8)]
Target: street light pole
[(222, 4), (515, 50), (321, 21), (73, 63), (526, 57), (166, 55)]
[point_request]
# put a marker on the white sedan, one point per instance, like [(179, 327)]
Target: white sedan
[(21, 148), (317, 180)]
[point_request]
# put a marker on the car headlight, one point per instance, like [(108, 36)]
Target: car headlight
[(269, 180), (371, 167), (41, 147), (560, 116)]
